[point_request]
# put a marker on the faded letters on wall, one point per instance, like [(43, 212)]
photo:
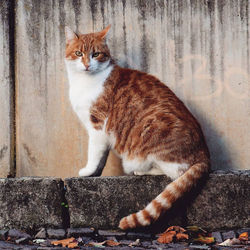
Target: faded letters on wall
[(200, 49)]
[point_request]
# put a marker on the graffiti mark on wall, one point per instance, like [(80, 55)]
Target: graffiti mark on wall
[(235, 82)]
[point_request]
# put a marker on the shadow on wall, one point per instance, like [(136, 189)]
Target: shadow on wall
[(219, 151)]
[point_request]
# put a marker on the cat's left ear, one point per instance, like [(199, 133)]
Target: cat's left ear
[(102, 34), (70, 34)]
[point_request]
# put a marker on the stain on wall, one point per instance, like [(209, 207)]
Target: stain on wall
[(7, 136), (3, 151), (200, 49)]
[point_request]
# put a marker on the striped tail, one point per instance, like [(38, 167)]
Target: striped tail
[(164, 200)]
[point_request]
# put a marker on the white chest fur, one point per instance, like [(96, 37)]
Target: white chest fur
[(84, 89)]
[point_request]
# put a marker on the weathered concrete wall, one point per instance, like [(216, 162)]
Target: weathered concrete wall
[(6, 92), (50, 139), (199, 48)]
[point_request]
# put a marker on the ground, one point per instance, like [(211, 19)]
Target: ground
[(89, 238)]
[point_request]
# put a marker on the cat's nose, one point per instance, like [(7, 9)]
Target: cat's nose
[(87, 67)]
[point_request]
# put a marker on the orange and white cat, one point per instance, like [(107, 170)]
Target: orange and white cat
[(137, 116)]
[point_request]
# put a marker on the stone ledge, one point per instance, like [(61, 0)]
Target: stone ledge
[(30, 203), (222, 201)]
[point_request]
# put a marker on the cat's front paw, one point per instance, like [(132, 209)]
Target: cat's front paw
[(139, 173), (84, 172)]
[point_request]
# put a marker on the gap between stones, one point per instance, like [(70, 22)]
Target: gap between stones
[(65, 208)]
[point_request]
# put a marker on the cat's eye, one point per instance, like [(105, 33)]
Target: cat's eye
[(78, 53), (96, 54)]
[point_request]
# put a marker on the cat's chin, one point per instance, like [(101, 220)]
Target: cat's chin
[(90, 72), (85, 71)]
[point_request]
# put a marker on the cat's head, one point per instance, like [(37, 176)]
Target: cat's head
[(87, 52)]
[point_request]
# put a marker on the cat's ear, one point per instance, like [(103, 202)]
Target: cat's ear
[(70, 34), (102, 34)]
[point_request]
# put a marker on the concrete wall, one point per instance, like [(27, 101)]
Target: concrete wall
[(200, 49), (6, 91)]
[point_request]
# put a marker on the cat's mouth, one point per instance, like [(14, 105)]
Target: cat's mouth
[(87, 67), (89, 71)]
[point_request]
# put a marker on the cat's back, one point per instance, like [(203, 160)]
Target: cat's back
[(146, 116), (138, 92)]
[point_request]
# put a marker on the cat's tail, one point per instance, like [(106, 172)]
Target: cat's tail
[(164, 200)]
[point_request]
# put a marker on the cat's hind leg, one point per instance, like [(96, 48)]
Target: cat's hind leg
[(152, 171), (173, 169), (130, 166)]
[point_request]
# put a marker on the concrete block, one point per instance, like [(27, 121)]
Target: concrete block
[(31, 203), (222, 201), (102, 202)]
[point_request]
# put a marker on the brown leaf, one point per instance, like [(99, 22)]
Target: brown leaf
[(176, 229), (64, 242), (243, 236), (112, 243), (205, 240), (170, 234), (73, 245), (96, 244), (166, 237), (109, 243), (182, 236)]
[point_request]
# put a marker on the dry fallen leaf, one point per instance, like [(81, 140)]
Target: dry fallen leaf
[(182, 236), (109, 243), (204, 240), (135, 243), (73, 245), (166, 237), (96, 244), (230, 242), (38, 241), (243, 236), (172, 233), (176, 229), (112, 243), (65, 242)]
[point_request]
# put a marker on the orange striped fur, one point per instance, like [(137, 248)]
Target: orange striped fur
[(142, 120)]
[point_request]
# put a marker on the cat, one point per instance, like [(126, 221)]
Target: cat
[(138, 117)]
